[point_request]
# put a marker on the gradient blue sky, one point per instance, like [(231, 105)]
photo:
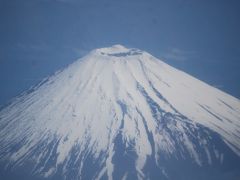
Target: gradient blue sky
[(37, 37)]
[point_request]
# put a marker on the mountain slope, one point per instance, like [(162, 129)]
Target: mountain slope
[(121, 113)]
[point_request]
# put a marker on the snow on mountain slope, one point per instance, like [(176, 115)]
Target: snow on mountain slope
[(118, 105)]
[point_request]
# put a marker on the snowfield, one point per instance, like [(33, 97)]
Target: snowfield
[(121, 113)]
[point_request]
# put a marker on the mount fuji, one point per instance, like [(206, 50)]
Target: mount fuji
[(121, 113)]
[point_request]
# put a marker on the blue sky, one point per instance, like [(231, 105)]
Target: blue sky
[(38, 37)]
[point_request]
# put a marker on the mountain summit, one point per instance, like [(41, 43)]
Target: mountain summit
[(121, 113)]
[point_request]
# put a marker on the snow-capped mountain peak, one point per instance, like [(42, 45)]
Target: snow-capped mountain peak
[(125, 114), (117, 51)]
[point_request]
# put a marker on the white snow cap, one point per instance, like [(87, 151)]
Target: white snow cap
[(114, 49), (117, 51), (113, 90)]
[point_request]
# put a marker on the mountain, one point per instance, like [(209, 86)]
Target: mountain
[(121, 113)]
